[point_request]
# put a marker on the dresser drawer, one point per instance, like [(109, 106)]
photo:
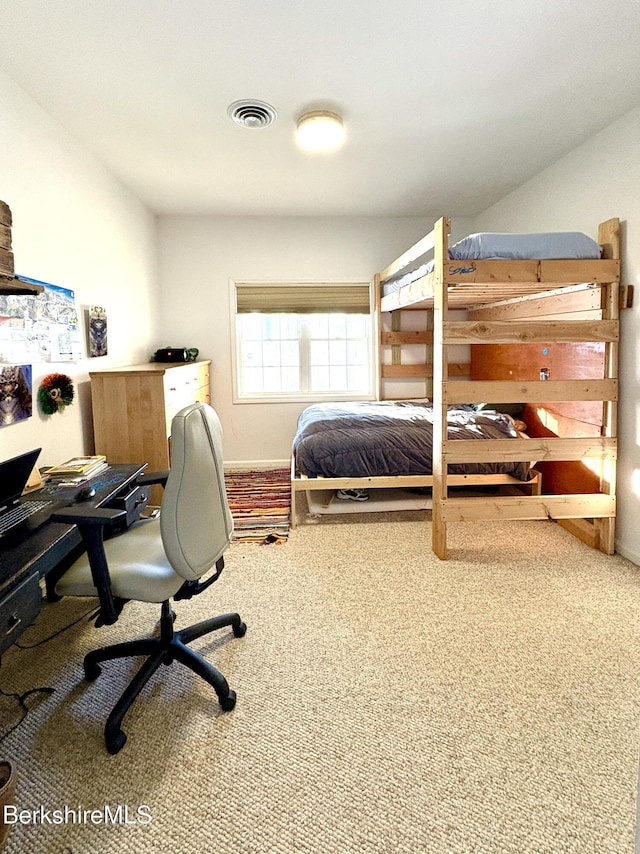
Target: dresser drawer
[(203, 375), (181, 385), (19, 610), (203, 395)]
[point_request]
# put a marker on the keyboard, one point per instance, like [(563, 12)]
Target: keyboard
[(18, 514)]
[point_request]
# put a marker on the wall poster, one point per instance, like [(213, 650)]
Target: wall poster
[(16, 393), (97, 331), (41, 328)]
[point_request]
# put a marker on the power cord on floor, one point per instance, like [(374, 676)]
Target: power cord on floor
[(90, 614), (21, 700)]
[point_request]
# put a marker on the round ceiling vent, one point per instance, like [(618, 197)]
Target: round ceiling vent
[(252, 114)]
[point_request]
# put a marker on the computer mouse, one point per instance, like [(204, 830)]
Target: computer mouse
[(86, 493)]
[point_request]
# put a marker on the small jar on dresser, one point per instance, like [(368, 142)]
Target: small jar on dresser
[(133, 408)]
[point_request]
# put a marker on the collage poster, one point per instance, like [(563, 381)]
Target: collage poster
[(42, 328)]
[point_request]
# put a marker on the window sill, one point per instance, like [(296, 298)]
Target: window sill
[(306, 399)]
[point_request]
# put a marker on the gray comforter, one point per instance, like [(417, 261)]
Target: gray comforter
[(375, 438)]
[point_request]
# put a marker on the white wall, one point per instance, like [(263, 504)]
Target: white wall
[(597, 181), (198, 257), (75, 227)]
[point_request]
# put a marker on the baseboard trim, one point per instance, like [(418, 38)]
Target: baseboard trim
[(629, 554), (255, 465)]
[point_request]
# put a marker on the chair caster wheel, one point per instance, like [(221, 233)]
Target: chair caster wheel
[(91, 672), (240, 630), (227, 704), (115, 741)]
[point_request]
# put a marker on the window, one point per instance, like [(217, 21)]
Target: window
[(302, 341)]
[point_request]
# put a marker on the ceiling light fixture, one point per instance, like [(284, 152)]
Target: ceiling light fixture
[(320, 130)]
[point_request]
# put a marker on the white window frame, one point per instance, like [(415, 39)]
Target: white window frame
[(317, 397)]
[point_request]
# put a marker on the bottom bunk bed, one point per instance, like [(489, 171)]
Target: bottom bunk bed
[(387, 445)]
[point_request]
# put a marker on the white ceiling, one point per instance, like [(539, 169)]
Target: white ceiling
[(448, 104)]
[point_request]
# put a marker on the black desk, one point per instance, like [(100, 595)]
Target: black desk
[(54, 545)]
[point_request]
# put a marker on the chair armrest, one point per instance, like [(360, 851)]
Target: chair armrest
[(90, 516), (92, 521), (149, 478)]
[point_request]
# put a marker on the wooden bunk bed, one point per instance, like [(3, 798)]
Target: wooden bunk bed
[(515, 309), (417, 296), (512, 305)]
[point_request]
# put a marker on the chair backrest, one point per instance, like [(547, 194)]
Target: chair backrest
[(195, 521)]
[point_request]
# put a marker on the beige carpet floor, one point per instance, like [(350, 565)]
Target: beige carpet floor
[(387, 702)]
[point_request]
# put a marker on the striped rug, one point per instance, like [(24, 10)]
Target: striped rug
[(260, 503)]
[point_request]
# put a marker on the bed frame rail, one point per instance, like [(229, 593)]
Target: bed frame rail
[(302, 483)]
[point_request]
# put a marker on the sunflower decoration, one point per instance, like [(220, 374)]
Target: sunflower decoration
[(55, 392)]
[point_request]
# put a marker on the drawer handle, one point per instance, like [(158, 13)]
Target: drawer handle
[(172, 388), (14, 621)]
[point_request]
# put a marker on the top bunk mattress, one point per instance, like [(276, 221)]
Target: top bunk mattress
[(493, 245)]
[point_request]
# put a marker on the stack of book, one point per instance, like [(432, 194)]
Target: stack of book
[(76, 470)]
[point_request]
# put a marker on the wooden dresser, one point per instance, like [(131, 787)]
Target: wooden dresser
[(133, 407)]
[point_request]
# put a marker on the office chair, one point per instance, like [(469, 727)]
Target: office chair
[(160, 559)]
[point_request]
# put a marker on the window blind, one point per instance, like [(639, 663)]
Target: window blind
[(313, 298)]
